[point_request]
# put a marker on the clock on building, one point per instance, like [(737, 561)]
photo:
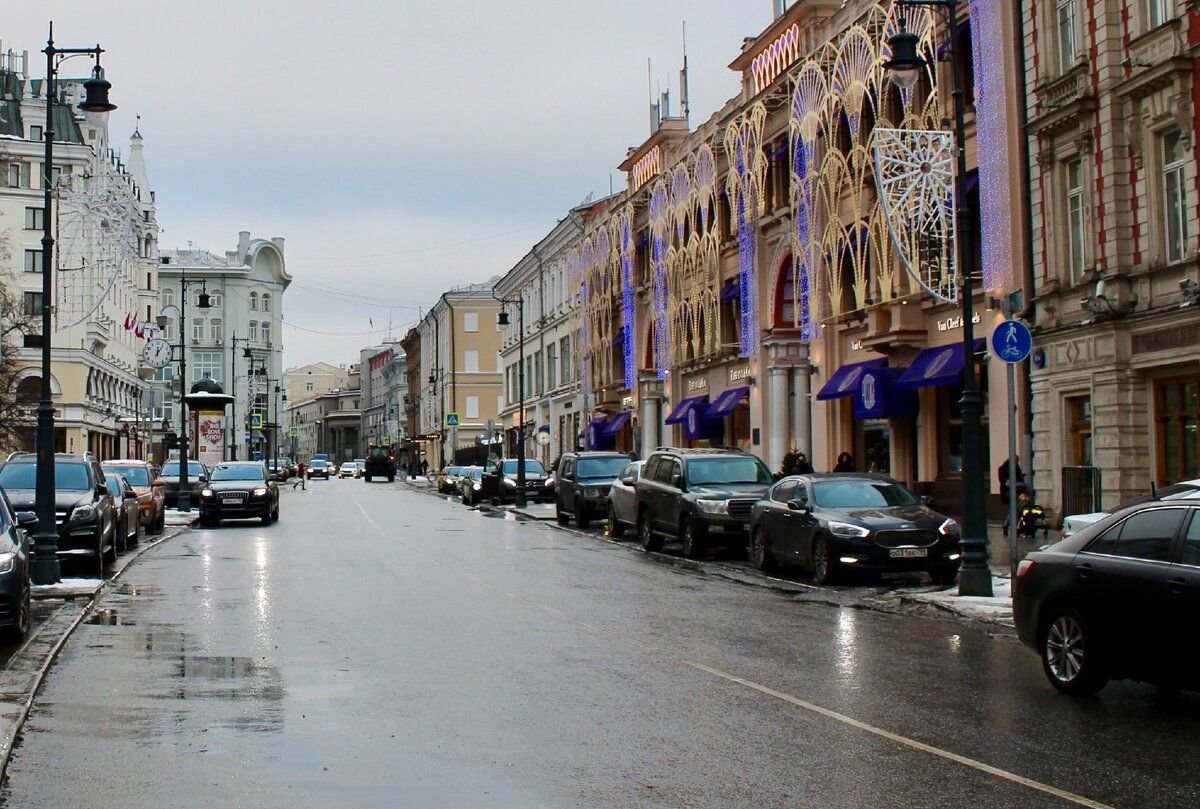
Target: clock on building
[(157, 353)]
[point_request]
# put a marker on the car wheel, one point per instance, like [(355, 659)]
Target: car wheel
[(1067, 653), (120, 538), (391, 478), (823, 570), (136, 539), (367, 478), (760, 550), (562, 517), (692, 534), (266, 516), (98, 567), (582, 518), (17, 632), (615, 529), (275, 514), (111, 556), (650, 542)]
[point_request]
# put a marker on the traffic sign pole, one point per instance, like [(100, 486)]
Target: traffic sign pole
[(1011, 342)]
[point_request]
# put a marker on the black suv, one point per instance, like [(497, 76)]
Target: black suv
[(692, 494), (83, 507), (379, 464), (584, 479), (499, 481)]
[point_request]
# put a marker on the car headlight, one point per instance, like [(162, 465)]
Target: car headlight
[(948, 528), (476, 486), (845, 529), (713, 506), (509, 482), (206, 493), (84, 512), (261, 491), (548, 482), (6, 561)]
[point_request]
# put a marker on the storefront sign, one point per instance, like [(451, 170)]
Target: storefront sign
[(697, 383), (738, 374), (626, 402), (856, 344), (1166, 339), (878, 397), (956, 322)]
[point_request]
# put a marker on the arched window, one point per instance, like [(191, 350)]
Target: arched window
[(787, 297), (168, 298), (217, 298), (253, 301), (29, 391), (266, 302)]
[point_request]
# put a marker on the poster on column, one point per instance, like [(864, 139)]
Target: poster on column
[(210, 437)]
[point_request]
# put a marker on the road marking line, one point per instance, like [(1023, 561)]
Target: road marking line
[(904, 740)]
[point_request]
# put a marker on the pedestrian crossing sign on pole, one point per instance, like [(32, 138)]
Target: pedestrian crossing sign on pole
[(293, 431), (256, 421), (451, 419)]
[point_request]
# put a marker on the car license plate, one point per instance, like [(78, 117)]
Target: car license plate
[(909, 553)]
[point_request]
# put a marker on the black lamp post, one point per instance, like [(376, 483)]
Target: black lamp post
[(503, 320), (233, 436), (44, 567), (202, 302), (906, 64)]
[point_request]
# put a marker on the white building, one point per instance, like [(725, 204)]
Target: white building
[(238, 341)]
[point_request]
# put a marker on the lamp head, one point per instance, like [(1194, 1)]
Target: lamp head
[(906, 63), (502, 319), (96, 93), (204, 301), (162, 321), (246, 353)]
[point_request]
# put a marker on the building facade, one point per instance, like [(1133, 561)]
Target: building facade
[(310, 381), (414, 383), (238, 341), (1112, 110), (105, 273), (327, 423), (384, 383)]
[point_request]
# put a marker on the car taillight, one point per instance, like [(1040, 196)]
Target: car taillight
[(1024, 567)]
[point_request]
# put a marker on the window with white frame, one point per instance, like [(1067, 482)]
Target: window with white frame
[(1076, 230), (216, 329), (197, 329), (266, 302), (266, 332), (169, 331), (564, 358), (253, 330), (35, 218), (164, 396), (217, 298), (1175, 209), (253, 301), (1066, 23), (18, 175), (1157, 12), (33, 261), (206, 365), (551, 365), (472, 407), (470, 321), (168, 298), (471, 361)]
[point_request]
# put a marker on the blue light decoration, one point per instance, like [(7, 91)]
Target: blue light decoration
[(747, 176), (991, 133), (659, 227), (628, 293)]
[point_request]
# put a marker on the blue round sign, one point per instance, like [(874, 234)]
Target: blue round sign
[(1012, 341)]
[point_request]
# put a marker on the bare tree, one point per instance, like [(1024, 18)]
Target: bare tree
[(18, 410)]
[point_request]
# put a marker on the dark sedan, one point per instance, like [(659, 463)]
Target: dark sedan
[(197, 477), (318, 468), (239, 490), (129, 517), (1119, 599), (834, 523), (15, 529)]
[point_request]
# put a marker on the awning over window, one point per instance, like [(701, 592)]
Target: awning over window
[(940, 365), (845, 380), (680, 413), (725, 403), (613, 426)]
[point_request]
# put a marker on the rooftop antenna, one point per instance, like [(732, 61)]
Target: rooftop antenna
[(684, 107), (655, 110)]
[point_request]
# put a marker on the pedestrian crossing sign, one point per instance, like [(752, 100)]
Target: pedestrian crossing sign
[(256, 421), (293, 431), (451, 419)]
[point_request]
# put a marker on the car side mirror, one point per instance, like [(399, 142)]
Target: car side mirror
[(27, 520), (677, 480), (102, 490), (926, 500), (799, 505)]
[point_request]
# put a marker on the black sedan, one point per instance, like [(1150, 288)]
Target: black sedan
[(834, 523), (129, 518), (319, 469), (14, 571), (1118, 599), (239, 490), (197, 477), (470, 484)]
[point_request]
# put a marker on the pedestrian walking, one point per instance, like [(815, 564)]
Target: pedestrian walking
[(845, 463), (424, 467), (633, 456), (303, 474), (1006, 487)]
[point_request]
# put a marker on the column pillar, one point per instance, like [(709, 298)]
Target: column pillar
[(777, 416), (802, 409), (650, 423)]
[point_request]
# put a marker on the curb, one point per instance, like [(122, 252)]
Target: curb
[(16, 723)]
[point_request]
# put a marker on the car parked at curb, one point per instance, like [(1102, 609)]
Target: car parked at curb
[(15, 590), (698, 496), (583, 481), (239, 490), (125, 502), (830, 524), (449, 478), (470, 484), (622, 500), (144, 479), (197, 477), (1185, 490), (1117, 600), (500, 482)]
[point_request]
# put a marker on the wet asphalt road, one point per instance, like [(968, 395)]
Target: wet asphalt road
[(380, 647)]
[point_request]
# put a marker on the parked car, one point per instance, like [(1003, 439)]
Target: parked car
[(239, 490), (696, 494), (449, 478), (319, 468), (15, 592), (280, 470), (1187, 490), (348, 469), (380, 464), (197, 477), (470, 485), (622, 500), (500, 481), (125, 502), (144, 479), (83, 507), (583, 481), (832, 523), (1117, 600)]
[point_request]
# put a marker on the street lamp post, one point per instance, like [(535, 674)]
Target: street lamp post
[(44, 567), (233, 434), (503, 320), (975, 577), (202, 302)]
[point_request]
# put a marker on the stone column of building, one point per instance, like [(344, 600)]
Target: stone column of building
[(777, 415), (802, 409), (650, 420)]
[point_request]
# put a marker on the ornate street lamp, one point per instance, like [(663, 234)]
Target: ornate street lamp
[(44, 567), (905, 66), (503, 320), (202, 302)]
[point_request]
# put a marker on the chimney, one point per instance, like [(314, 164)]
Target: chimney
[(243, 244), (278, 242)]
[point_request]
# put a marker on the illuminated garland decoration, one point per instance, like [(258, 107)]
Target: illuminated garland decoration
[(628, 296), (991, 133), (579, 314), (659, 230), (745, 186)]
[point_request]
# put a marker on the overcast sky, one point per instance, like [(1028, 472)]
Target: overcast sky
[(400, 147)]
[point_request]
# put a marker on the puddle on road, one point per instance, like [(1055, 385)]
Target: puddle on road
[(109, 617), (217, 668)]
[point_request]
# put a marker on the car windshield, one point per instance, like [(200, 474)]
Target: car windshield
[(602, 467), (706, 471), (319, 464), (531, 468), (850, 494), (171, 470), (238, 473), (379, 452), (349, 465), (72, 477), (136, 475), (476, 473)]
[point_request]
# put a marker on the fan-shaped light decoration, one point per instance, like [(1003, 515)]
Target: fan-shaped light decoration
[(855, 75), (915, 170), (660, 226), (745, 187)]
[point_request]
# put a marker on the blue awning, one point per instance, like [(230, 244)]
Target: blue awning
[(845, 380), (613, 426), (680, 413), (725, 403), (878, 397), (940, 365)]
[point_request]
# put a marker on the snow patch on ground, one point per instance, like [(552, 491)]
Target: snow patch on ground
[(997, 609)]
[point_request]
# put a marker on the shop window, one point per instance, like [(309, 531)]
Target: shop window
[(951, 445), (1177, 419), (1175, 210), (1079, 418)]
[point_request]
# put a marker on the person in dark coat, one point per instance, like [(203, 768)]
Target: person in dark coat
[(801, 466), (845, 463), (1007, 484)]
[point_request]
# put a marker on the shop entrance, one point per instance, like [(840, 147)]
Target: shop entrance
[(873, 446)]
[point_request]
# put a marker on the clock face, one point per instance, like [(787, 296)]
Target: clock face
[(157, 353)]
